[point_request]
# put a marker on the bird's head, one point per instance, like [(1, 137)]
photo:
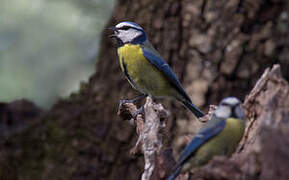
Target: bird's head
[(128, 32), (230, 107)]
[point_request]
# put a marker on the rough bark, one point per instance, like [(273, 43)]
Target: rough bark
[(149, 127), (264, 151), (217, 48), (158, 158)]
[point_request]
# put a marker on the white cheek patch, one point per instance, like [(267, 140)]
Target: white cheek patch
[(223, 112), (129, 35)]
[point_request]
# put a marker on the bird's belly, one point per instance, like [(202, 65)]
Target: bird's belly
[(146, 78), (223, 144)]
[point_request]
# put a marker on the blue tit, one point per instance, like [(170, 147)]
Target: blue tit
[(219, 136), (145, 69)]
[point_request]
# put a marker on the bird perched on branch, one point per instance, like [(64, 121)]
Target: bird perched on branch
[(145, 69), (219, 136)]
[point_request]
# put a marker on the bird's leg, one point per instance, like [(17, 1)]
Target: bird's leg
[(137, 112), (132, 100)]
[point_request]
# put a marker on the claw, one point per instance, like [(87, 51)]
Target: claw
[(124, 101), (132, 100), (137, 112)]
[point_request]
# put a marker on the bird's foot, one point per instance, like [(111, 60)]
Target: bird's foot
[(136, 99), (130, 107), (137, 112), (124, 101)]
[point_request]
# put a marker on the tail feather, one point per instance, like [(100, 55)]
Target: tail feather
[(196, 111)]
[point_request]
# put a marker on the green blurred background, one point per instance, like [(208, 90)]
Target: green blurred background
[(48, 46)]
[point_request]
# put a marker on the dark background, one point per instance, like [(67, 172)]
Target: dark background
[(217, 49)]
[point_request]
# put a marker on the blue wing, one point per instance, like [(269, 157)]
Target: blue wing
[(202, 137), (159, 63), (212, 128)]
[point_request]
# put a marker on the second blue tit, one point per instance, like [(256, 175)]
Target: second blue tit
[(145, 69), (220, 136)]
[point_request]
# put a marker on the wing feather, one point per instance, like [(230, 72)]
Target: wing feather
[(202, 137), (160, 64)]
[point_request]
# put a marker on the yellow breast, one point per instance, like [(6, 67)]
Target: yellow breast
[(145, 76), (132, 56), (222, 144)]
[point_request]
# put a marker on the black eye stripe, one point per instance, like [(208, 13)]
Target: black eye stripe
[(226, 104), (124, 28), (128, 27)]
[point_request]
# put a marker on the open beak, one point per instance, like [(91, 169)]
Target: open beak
[(114, 29)]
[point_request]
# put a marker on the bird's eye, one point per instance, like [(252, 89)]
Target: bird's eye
[(124, 28), (225, 104)]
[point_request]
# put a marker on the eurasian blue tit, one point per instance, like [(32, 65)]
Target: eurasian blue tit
[(145, 69), (219, 136)]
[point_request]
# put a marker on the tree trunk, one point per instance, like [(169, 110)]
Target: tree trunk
[(217, 49)]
